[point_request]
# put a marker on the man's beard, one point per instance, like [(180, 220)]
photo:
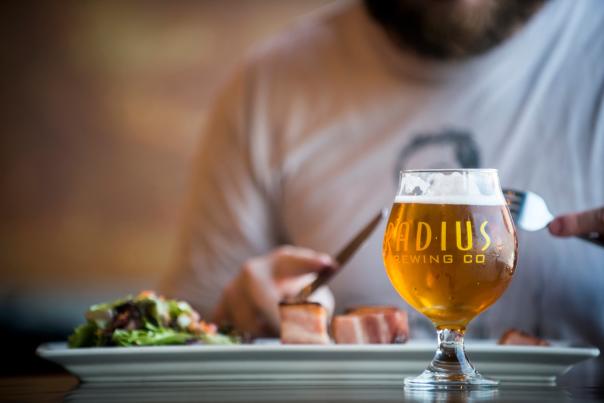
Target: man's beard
[(451, 29)]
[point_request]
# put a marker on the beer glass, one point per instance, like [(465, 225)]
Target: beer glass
[(450, 251)]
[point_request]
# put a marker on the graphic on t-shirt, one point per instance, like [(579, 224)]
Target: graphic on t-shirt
[(450, 148)]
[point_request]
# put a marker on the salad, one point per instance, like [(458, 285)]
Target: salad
[(145, 320)]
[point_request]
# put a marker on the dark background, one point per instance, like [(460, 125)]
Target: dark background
[(101, 107)]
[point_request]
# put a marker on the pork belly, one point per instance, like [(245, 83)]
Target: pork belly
[(371, 325), (519, 338), (303, 323)]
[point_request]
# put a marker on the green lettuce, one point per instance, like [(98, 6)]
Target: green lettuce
[(84, 335), (145, 320), (159, 337)]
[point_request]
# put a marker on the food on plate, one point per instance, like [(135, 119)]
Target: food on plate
[(373, 325), (306, 323), (145, 320), (519, 338), (303, 323)]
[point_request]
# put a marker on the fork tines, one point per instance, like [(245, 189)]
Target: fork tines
[(515, 199)]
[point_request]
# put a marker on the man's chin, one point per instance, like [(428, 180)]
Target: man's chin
[(451, 29)]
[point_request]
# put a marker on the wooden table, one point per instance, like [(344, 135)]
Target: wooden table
[(59, 388)]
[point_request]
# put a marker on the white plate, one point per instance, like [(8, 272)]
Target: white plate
[(330, 364)]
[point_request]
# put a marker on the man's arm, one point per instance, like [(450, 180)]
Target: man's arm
[(228, 217)]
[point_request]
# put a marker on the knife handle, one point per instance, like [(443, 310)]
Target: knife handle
[(325, 274)]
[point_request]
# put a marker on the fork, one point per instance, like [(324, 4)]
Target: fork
[(530, 213)]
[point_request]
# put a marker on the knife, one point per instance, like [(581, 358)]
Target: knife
[(341, 258)]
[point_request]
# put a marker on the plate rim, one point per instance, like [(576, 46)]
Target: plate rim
[(56, 349)]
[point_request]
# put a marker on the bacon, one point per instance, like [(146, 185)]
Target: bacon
[(519, 338), (374, 325), (303, 323)]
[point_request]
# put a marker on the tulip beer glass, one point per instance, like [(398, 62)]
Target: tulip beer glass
[(450, 251)]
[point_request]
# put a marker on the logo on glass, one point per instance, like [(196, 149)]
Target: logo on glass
[(406, 238)]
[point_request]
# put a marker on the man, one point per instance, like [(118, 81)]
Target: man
[(305, 143)]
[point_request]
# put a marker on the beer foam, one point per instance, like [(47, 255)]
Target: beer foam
[(451, 188), (473, 200)]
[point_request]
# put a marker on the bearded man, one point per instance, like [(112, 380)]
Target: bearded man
[(305, 142)]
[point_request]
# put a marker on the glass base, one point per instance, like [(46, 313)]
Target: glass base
[(430, 380), (450, 368)]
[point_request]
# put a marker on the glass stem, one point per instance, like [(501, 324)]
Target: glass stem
[(450, 359)]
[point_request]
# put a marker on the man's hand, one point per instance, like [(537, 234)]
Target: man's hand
[(583, 223), (251, 301)]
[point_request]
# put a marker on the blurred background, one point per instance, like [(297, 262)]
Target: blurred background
[(102, 103)]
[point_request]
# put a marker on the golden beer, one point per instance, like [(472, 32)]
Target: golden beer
[(450, 261)]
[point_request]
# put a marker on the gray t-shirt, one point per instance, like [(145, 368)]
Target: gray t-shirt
[(305, 143)]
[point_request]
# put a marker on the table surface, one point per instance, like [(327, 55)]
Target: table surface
[(66, 388)]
